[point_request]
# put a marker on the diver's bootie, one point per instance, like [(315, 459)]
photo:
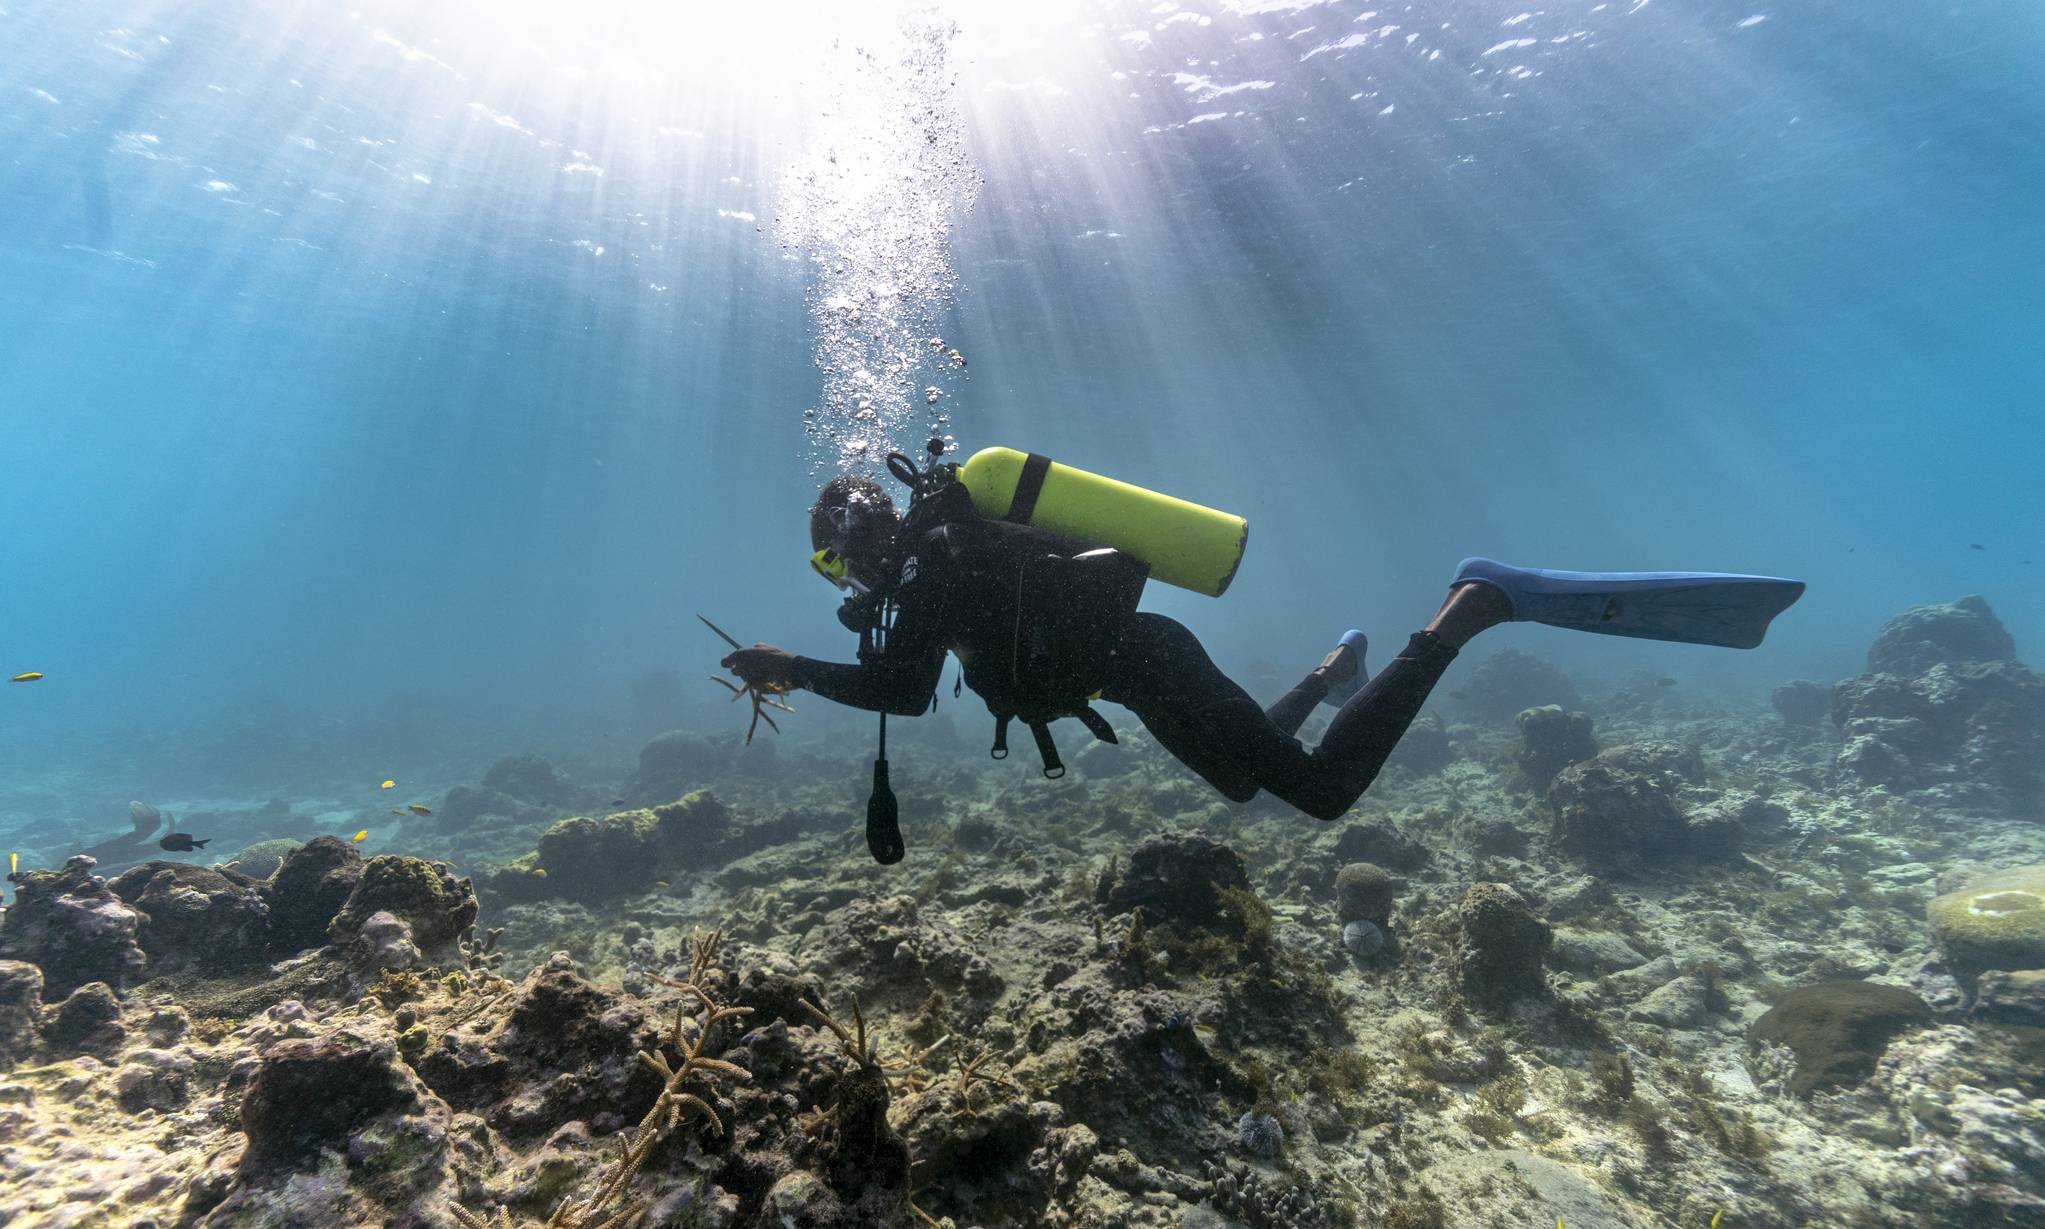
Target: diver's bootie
[(1688, 607), (1341, 689)]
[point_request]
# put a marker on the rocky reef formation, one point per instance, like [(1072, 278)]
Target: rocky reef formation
[(1114, 1002), (69, 924), (1838, 1031), (1650, 803), (1934, 713), (591, 859), (1550, 741)]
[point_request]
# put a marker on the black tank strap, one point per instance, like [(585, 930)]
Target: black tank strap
[(1096, 723), (1028, 486), (1000, 750), (1054, 768)]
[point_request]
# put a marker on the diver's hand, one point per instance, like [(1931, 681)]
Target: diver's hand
[(763, 665)]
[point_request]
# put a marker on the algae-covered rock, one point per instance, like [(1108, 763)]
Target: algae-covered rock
[(2013, 997), (1498, 953), (332, 1094), (433, 905), (1632, 806), (1379, 843), (1609, 812), (529, 778), (313, 884), (1838, 1030), (88, 1019), (21, 1007), (1681, 1002), (1593, 951), (1173, 878), (594, 858), (198, 917), (1945, 707), (1550, 741), (1996, 921), (69, 924)]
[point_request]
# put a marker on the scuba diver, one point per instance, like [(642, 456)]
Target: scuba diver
[(1042, 623)]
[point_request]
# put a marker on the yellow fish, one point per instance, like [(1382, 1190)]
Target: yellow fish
[(416, 809), (540, 872), (661, 882), (357, 838), (397, 812), (1715, 1216), (30, 677), (13, 861), (1203, 1028), (387, 784)]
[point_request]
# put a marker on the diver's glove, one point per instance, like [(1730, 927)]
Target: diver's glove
[(763, 665)]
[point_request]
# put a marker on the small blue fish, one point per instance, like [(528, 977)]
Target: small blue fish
[(817, 871)]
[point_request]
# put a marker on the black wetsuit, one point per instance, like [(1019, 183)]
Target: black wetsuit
[(992, 593)]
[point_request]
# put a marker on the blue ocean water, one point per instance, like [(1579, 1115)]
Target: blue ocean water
[(389, 387)]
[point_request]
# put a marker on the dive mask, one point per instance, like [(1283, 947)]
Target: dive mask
[(830, 562)]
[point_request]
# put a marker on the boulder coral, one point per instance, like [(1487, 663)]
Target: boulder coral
[(1989, 921)]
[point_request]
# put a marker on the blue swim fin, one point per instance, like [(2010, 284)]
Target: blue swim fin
[(1687, 607), (1338, 695)]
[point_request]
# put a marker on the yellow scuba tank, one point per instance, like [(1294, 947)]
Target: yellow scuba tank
[(1185, 544)]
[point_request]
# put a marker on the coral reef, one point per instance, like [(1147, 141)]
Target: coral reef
[(1713, 973)]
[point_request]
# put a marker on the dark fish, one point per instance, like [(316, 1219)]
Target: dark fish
[(1665, 682), (181, 842), (1457, 695), (617, 802), (1977, 546)]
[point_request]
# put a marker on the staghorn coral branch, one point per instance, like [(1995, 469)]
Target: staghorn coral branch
[(667, 1109)]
